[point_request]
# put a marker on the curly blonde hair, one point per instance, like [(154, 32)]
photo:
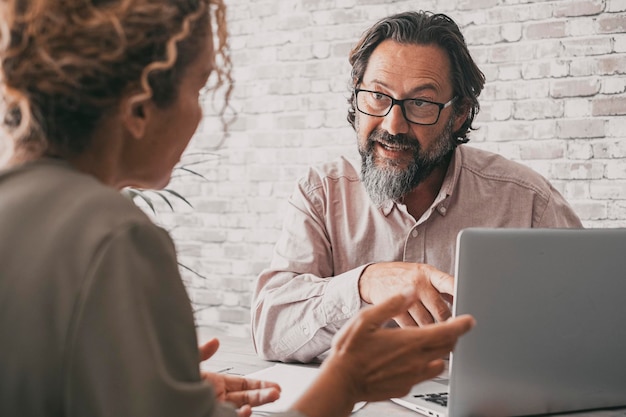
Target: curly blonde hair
[(66, 63)]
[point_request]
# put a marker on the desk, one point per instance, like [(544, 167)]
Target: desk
[(238, 353)]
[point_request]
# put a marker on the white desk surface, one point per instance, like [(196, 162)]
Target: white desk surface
[(237, 353)]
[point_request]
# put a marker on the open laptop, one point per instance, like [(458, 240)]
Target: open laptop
[(550, 307)]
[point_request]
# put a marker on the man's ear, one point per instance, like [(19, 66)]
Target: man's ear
[(461, 116), (135, 115)]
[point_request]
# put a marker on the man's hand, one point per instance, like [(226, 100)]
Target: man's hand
[(434, 290), (242, 392)]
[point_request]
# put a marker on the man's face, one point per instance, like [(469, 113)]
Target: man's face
[(398, 155)]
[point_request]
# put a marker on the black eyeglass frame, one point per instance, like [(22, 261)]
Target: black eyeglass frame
[(401, 104)]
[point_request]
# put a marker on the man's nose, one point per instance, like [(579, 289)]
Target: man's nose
[(394, 122)]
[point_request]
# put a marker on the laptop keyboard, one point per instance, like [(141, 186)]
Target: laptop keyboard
[(437, 398)]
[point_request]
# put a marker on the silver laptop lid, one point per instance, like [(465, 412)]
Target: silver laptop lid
[(550, 306)]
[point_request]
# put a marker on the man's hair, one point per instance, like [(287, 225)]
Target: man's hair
[(424, 28), (65, 64)]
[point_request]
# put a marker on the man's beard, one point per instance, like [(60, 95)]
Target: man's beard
[(385, 180)]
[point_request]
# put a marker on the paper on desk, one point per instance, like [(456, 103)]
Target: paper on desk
[(293, 381)]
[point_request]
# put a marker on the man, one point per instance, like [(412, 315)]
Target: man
[(350, 240)]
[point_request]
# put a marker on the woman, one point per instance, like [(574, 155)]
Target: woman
[(94, 319)]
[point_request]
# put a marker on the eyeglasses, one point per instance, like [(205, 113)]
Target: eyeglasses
[(415, 110)]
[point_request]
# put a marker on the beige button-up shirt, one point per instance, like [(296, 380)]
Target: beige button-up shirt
[(332, 231)]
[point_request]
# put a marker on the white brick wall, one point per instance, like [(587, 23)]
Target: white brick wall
[(555, 100)]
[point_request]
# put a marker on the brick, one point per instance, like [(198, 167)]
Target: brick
[(578, 170), (495, 111), (544, 129), (579, 8), (619, 44), (579, 150), (583, 67), (581, 27), (615, 127), (611, 65), (577, 190), (540, 165), (482, 35), (544, 69), (587, 46), (510, 150), (490, 71), (511, 32), (612, 24), (544, 30), (576, 108), (609, 106), (576, 87), (203, 235), (509, 72), (514, 14), (542, 150), (212, 266), (263, 172), (608, 189), (613, 86), (616, 169), (507, 53), (616, 6), (537, 109), (506, 131), (581, 128), (234, 315), (617, 210), (476, 4), (317, 4), (206, 297), (591, 210), (336, 17), (300, 52)]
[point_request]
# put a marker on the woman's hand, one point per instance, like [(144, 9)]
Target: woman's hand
[(372, 363), (381, 363), (242, 392)]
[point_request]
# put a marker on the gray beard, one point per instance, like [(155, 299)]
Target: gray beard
[(386, 181)]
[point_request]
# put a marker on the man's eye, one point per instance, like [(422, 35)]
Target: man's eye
[(418, 103), (378, 96)]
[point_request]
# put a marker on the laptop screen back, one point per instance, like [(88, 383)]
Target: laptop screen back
[(550, 306)]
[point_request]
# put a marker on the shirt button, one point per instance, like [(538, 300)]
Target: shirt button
[(414, 233), (345, 310), (305, 330), (442, 209)]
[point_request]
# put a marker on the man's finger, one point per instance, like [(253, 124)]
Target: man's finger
[(437, 308), (393, 306), (405, 320), (442, 282), (421, 315)]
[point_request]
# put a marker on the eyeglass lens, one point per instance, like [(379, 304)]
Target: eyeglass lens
[(379, 104)]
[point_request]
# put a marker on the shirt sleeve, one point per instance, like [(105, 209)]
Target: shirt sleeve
[(298, 303), (556, 213), (132, 348)]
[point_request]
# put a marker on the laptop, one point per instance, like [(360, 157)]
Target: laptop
[(550, 306)]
